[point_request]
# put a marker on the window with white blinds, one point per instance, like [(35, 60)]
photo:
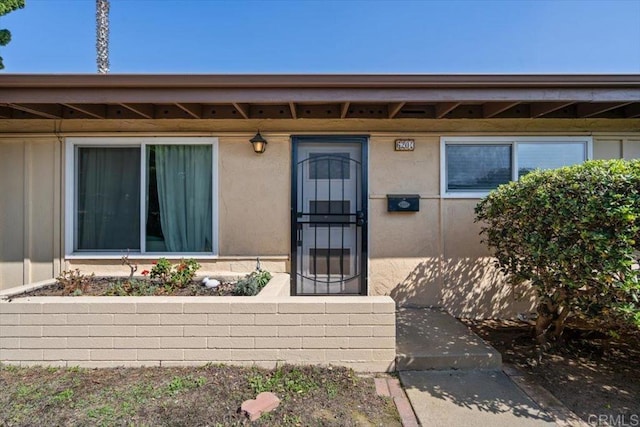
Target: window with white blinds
[(473, 166), (477, 167)]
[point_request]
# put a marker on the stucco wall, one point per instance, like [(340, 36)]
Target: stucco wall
[(435, 256), (254, 197), (253, 219), (432, 257)]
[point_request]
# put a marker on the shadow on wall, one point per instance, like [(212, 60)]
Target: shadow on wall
[(465, 287)]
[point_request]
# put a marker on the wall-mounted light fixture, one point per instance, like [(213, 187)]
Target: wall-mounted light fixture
[(259, 143)]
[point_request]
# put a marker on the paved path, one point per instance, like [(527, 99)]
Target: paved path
[(433, 339), (470, 399)]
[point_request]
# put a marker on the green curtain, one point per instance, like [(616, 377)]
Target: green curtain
[(108, 203), (184, 195)]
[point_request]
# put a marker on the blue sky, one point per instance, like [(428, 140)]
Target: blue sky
[(304, 36)]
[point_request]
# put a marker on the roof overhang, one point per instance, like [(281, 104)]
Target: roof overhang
[(284, 96)]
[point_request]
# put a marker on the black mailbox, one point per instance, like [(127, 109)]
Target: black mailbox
[(403, 202)]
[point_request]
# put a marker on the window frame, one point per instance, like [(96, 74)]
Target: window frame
[(513, 141), (71, 169)]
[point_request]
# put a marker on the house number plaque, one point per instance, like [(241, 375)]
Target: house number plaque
[(405, 145)]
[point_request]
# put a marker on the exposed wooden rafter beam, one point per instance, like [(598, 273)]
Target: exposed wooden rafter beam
[(292, 107), (95, 111), (312, 95), (144, 110), (539, 109), (395, 108), (444, 108), (243, 110), (47, 111), (344, 110), (194, 111), (593, 109), (632, 110), (494, 108)]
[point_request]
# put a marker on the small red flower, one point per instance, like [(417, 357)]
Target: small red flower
[(154, 262), (145, 272)]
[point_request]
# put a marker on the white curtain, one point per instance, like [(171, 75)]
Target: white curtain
[(184, 194), (108, 204)]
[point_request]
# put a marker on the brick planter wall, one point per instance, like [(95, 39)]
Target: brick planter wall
[(358, 332)]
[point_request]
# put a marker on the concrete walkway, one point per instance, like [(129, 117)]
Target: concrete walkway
[(470, 399), (454, 379), (433, 339)]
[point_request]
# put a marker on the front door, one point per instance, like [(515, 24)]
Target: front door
[(329, 216)]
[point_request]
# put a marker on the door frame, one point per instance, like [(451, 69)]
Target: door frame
[(363, 140)]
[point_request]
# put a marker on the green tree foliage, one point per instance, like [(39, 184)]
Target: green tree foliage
[(573, 234), (7, 6)]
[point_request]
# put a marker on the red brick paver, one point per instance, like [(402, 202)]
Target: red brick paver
[(395, 388), (381, 387), (264, 402), (406, 412), (391, 387)]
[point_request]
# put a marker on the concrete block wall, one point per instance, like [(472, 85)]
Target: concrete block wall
[(357, 332)]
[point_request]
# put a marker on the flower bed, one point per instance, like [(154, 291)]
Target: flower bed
[(164, 279), (118, 286)]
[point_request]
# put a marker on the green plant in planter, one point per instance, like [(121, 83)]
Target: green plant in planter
[(252, 284), (132, 287), (174, 275), (74, 282)]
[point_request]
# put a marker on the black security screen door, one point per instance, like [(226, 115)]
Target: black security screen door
[(329, 216)]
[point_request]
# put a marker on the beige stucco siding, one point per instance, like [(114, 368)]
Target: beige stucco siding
[(254, 195), (435, 256), (431, 257), (405, 248), (472, 286), (402, 172)]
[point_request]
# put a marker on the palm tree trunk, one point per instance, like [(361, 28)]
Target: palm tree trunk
[(102, 35)]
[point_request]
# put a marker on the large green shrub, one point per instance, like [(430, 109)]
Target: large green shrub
[(573, 234)]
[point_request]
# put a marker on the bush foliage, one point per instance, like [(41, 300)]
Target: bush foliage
[(252, 284), (574, 235)]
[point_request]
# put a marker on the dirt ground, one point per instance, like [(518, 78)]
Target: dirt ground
[(204, 396), (592, 374), (102, 286)]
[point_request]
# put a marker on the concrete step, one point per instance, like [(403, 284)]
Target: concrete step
[(430, 338)]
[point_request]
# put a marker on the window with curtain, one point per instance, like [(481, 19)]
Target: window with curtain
[(108, 198), (173, 213)]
